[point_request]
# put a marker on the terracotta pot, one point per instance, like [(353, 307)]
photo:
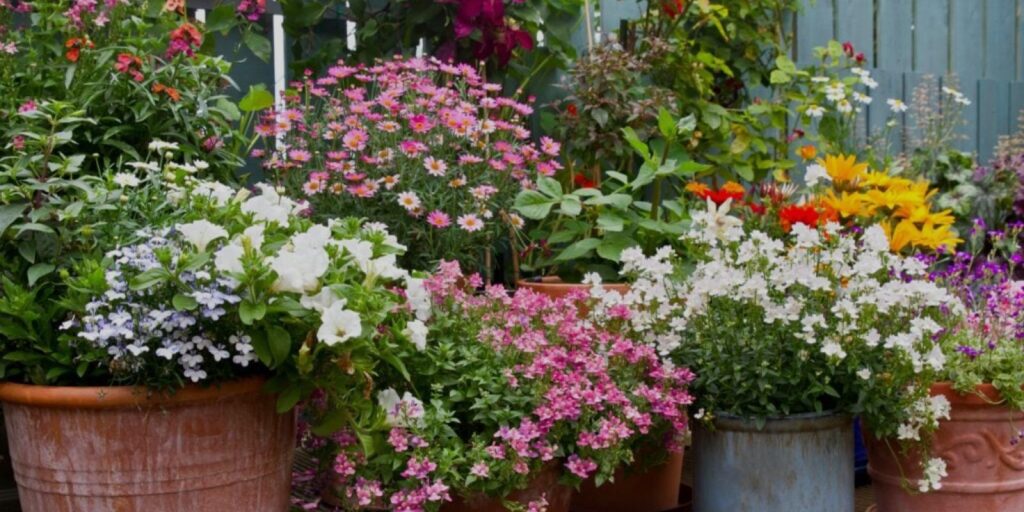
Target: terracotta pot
[(115, 449), (554, 287), (653, 490), (986, 472), (544, 485)]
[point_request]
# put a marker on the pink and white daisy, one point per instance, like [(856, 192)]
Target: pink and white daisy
[(470, 222), (434, 166), (312, 187), (409, 200), (300, 155), (439, 219), (355, 140)]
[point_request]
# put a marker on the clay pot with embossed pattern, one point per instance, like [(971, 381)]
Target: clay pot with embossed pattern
[(986, 471)]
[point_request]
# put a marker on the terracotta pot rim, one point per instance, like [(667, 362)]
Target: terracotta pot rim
[(120, 397), (989, 395)]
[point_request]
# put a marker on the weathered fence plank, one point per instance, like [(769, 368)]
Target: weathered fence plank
[(931, 36)]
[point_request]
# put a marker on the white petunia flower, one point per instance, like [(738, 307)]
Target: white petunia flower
[(201, 232), (417, 332), (339, 325), (322, 301)]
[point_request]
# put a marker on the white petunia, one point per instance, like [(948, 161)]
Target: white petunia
[(338, 325), (322, 301), (418, 297), (201, 232), (417, 332), (229, 258), (815, 174), (299, 271)]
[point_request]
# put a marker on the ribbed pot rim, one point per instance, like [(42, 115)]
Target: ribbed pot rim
[(801, 422), (120, 397), (555, 282), (989, 394)]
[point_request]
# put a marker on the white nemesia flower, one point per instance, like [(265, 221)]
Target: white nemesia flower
[(934, 471), (201, 232), (339, 325), (402, 411), (815, 174)]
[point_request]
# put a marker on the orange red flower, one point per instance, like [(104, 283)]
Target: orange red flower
[(731, 190), (74, 47)]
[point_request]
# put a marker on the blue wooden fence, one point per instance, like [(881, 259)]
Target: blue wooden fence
[(979, 42)]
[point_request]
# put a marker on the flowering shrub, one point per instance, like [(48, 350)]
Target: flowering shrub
[(504, 387), (426, 148), (816, 320), (133, 70)]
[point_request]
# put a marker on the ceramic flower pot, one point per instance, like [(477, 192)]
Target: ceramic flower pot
[(554, 287), (653, 490), (985, 471), (211, 449), (543, 486), (802, 462)]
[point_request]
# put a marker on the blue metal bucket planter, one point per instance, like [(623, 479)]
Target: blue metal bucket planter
[(800, 463)]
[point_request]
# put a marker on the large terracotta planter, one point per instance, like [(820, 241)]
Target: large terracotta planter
[(554, 287), (986, 472), (544, 485), (653, 490), (115, 449)]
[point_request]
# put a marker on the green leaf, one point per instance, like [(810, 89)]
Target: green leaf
[(571, 206), (148, 279), (10, 213), (69, 76), (689, 168), (280, 343), (288, 398), (687, 124), (666, 124), (221, 19), (250, 312), (183, 302), (579, 249), (258, 98), (550, 187), (258, 44), (600, 115), (262, 348), (610, 222), (619, 201), (634, 140), (332, 422), (779, 77), (38, 270), (612, 246), (533, 204)]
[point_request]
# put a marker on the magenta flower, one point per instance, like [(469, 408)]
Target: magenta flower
[(439, 219)]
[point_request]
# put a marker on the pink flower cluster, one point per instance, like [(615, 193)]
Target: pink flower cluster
[(430, 143)]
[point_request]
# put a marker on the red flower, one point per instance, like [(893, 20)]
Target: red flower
[(799, 214), (171, 92), (860, 58), (582, 181), (758, 209), (848, 49), (672, 8), (184, 39), (130, 64), (74, 46), (571, 110)]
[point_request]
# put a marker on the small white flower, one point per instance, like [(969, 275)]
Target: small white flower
[(861, 98), (417, 331), (322, 301), (820, 79), (815, 111), (402, 411), (144, 166), (896, 105), (201, 232), (418, 297), (816, 174), (159, 145), (126, 180), (835, 91), (864, 373), (339, 325), (409, 200), (844, 106)]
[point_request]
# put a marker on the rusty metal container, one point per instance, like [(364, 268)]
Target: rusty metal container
[(985, 470), (554, 287), (800, 463), (122, 449)]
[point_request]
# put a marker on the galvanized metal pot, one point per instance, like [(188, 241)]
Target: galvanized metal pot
[(800, 463), (121, 449)]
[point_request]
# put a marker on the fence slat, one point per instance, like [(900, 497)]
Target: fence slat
[(966, 34), (931, 34), (813, 28), (855, 22), (895, 35), (993, 115), (999, 37), (614, 11), (1016, 106)]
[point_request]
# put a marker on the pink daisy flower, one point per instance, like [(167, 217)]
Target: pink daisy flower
[(439, 219), (470, 223)]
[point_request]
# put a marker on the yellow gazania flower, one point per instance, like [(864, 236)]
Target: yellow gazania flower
[(892, 199), (902, 235), (921, 214), (933, 237), (843, 168), (875, 179), (845, 204)]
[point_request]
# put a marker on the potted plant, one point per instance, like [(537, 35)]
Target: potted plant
[(167, 335), (585, 229), (789, 335), (429, 149), (508, 401), (973, 458)]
